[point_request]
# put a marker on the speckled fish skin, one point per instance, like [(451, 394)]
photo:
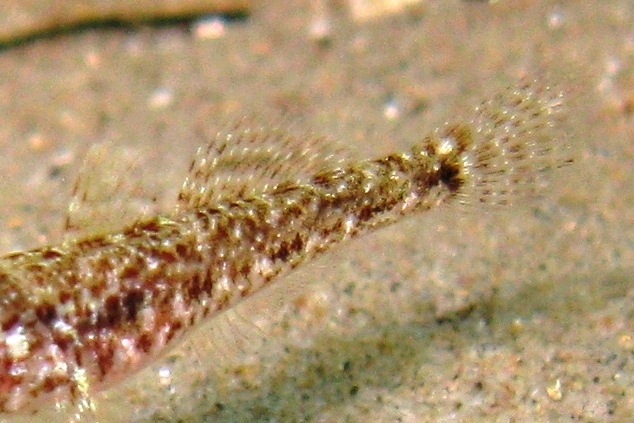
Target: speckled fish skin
[(80, 316)]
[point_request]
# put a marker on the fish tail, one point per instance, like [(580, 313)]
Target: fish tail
[(501, 154)]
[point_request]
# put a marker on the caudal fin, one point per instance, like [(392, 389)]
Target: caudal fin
[(512, 140)]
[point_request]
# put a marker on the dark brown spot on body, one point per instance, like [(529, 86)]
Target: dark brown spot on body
[(46, 313), (450, 176), (131, 303)]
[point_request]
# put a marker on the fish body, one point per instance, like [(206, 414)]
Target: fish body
[(78, 317)]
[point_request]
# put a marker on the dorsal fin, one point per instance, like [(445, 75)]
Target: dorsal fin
[(110, 191), (246, 160)]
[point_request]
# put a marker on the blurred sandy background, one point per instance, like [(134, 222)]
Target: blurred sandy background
[(525, 315)]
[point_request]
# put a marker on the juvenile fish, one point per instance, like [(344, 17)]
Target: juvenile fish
[(79, 316)]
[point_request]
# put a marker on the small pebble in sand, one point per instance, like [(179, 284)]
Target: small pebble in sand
[(209, 27), (161, 98), (554, 391)]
